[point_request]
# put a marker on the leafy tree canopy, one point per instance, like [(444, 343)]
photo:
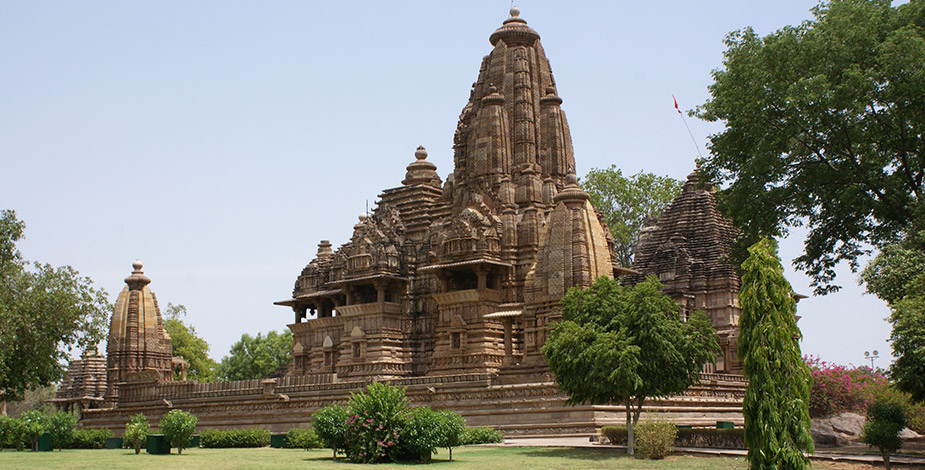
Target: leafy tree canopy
[(254, 357), (188, 345), (776, 404), (824, 128), (45, 312), (625, 344), (627, 202)]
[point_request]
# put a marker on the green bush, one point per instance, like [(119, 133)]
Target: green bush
[(136, 432), (303, 438), (481, 435), (34, 423), (655, 439), (615, 435), (178, 426), (420, 435), (90, 439), (453, 426), (884, 422), (330, 424), (915, 412), (234, 438), (9, 432), (61, 428), (374, 421)]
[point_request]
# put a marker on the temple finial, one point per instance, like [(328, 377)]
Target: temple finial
[(515, 12)]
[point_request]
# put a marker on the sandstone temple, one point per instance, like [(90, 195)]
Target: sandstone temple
[(449, 287)]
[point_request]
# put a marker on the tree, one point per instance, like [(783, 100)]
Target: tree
[(625, 344), (188, 345), (61, 428), (178, 426), (884, 422), (255, 357), (34, 423), (45, 312), (776, 404), (628, 202), (897, 275), (823, 128), (330, 424), (453, 426), (136, 432)]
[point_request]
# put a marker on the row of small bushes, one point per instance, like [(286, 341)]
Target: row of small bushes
[(24, 432), (303, 438), (252, 437), (89, 439), (481, 435)]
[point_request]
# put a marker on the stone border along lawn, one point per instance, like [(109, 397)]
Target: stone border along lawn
[(464, 458)]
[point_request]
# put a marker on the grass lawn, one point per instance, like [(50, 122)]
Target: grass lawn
[(536, 458)]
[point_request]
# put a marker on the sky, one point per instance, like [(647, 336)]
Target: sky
[(219, 141)]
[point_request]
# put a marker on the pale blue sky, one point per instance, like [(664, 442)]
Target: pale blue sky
[(219, 141)]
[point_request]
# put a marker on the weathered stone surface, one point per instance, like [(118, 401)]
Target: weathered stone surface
[(825, 435), (850, 424), (907, 433)]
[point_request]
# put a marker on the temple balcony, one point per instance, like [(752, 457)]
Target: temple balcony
[(370, 308), (468, 295)]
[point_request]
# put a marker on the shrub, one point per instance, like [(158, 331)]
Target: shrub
[(61, 428), (34, 423), (303, 438), (453, 426), (90, 438), (655, 439), (421, 435), (615, 435), (915, 412), (838, 388), (330, 424), (136, 432), (234, 438), (481, 435), (375, 419), (884, 422), (8, 432), (17, 430), (178, 426)]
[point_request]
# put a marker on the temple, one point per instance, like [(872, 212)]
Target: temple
[(449, 288)]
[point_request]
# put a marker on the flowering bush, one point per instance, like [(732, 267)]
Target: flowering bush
[(374, 421), (837, 388)]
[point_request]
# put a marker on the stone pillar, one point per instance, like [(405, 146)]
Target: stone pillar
[(380, 293), (508, 341), (482, 278)]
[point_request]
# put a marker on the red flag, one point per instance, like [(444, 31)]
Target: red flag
[(676, 104)]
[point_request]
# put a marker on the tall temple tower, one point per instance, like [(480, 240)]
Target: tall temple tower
[(464, 276), (138, 342)]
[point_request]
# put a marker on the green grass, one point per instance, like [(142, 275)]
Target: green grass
[(536, 458)]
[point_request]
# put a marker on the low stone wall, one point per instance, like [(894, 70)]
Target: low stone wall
[(522, 410)]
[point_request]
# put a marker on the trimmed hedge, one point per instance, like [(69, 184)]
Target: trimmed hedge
[(302, 438), (481, 435), (700, 437), (253, 437), (90, 439)]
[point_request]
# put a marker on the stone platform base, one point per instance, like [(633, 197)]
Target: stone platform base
[(518, 410)]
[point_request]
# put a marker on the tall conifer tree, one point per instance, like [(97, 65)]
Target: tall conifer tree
[(777, 423)]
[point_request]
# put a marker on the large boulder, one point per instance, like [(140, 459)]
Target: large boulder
[(907, 433), (850, 424), (824, 435)]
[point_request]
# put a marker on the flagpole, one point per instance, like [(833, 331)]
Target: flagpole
[(693, 140)]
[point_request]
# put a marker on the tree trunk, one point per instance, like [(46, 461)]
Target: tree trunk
[(2, 407), (451, 453), (179, 450), (629, 427), (137, 450), (335, 452), (886, 458)]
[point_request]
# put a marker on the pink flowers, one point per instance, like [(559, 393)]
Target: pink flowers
[(837, 388)]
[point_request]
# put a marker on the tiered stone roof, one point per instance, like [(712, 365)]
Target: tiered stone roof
[(85, 380)]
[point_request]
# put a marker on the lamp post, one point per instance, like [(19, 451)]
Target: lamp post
[(871, 357)]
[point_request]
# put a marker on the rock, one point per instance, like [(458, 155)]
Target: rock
[(825, 435), (850, 424), (907, 433)]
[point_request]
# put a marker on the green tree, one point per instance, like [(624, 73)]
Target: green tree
[(45, 312), (453, 426), (625, 344), (136, 432), (188, 345), (897, 275), (823, 129), (884, 422), (178, 426), (330, 424), (61, 428), (255, 357), (776, 404), (628, 202), (34, 424)]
